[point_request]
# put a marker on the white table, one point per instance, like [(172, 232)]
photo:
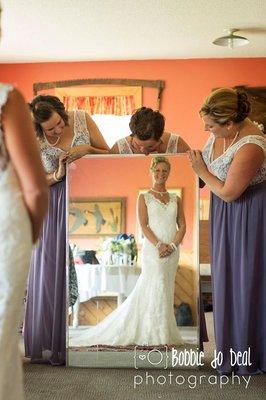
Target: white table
[(97, 279)]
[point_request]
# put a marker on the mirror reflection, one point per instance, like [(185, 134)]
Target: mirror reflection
[(133, 258)]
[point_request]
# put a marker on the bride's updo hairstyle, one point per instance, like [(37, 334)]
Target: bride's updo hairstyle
[(157, 160), (225, 105), (42, 107)]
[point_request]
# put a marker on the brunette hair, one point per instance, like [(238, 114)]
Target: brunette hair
[(224, 105), (147, 124), (42, 107)]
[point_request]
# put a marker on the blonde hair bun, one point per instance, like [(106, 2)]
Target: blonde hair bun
[(225, 104)]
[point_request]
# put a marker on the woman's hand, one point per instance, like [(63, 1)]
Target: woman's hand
[(165, 250), (197, 162), (61, 171), (77, 152)]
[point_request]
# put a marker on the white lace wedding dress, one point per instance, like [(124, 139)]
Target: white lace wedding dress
[(146, 317), (15, 250)]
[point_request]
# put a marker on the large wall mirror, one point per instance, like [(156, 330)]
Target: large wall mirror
[(108, 296)]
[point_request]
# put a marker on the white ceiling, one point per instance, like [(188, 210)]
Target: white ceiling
[(86, 30)]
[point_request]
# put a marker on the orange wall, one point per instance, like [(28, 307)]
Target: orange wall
[(188, 82), (123, 177)]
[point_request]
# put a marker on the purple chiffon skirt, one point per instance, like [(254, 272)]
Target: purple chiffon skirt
[(45, 317), (238, 248)]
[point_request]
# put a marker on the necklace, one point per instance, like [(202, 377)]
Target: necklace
[(51, 144), (160, 193), (233, 141)]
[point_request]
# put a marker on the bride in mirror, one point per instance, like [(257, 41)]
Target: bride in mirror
[(147, 316)]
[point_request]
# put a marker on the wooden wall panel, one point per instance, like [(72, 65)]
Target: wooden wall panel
[(93, 311), (204, 252), (185, 289)]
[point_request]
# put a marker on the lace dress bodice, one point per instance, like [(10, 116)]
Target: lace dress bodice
[(161, 216), (124, 146), (220, 166), (50, 155), (4, 90)]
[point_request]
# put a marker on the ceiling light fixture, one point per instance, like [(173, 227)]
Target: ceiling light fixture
[(231, 41)]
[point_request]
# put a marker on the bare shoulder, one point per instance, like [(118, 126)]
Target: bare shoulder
[(178, 200), (250, 152), (141, 197), (86, 113), (114, 149), (127, 138), (182, 146), (71, 114), (166, 135), (88, 118), (142, 207), (15, 105), (15, 97), (141, 200)]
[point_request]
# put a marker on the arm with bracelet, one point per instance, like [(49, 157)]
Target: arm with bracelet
[(60, 172)]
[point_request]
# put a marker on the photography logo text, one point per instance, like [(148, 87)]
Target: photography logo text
[(164, 358)]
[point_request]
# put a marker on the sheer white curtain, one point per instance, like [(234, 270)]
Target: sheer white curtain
[(112, 127)]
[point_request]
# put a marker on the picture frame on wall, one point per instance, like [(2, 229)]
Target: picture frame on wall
[(96, 216)]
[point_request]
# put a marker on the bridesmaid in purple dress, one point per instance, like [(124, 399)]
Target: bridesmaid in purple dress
[(63, 138), (233, 165)]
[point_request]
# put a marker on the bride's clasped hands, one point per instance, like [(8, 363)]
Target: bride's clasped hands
[(165, 250)]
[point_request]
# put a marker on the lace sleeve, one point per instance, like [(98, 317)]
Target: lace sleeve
[(173, 197), (220, 166), (252, 139), (172, 144), (4, 92), (206, 151), (81, 132), (123, 146), (50, 158)]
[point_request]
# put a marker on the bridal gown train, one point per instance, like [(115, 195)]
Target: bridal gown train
[(146, 317), (15, 250)]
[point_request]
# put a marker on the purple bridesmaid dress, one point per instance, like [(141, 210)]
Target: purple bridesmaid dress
[(238, 254), (45, 317)]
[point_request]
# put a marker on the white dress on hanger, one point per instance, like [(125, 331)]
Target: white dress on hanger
[(147, 316), (15, 251)]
